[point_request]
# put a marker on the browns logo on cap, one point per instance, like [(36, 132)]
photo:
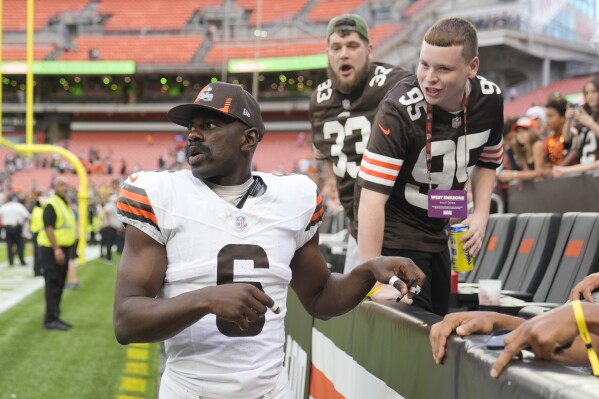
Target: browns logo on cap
[(226, 98)]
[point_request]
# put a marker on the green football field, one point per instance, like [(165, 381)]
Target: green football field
[(85, 362)]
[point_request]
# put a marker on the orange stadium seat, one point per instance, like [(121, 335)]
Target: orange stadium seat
[(380, 33), (324, 10), (271, 48), (141, 49), (20, 53), (14, 12), (312, 45), (416, 7), (272, 10), (153, 15)]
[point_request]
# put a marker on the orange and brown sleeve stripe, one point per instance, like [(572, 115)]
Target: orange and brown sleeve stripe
[(318, 212), (134, 203)]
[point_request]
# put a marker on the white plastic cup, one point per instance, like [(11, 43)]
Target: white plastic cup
[(489, 291)]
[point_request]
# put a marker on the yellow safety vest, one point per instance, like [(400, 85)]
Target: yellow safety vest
[(65, 230), (37, 219)]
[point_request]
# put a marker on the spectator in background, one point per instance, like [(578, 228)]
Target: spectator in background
[(582, 124), (93, 54), (112, 225), (538, 114), (509, 142), (56, 241), (555, 147), (123, 169), (529, 153), (14, 215), (509, 157), (342, 108)]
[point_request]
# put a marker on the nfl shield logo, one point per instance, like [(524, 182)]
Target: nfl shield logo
[(240, 222), (346, 104), (456, 122)]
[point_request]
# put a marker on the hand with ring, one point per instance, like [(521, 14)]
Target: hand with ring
[(400, 273)]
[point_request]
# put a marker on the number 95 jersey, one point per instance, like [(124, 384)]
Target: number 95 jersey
[(210, 242), (341, 125), (395, 160)]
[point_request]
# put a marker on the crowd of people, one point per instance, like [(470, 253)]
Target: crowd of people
[(209, 252), (553, 140)]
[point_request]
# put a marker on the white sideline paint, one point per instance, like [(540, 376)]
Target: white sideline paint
[(17, 282)]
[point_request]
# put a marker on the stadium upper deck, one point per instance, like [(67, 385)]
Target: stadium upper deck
[(176, 50)]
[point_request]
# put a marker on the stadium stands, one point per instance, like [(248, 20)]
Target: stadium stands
[(566, 87), (169, 49), (273, 11), (279, 47), (415, 8), (19, 53), (163, 15), (268, 48), (325, 9), (380, 33), (15, 12)]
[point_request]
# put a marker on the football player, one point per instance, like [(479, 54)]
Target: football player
[(342, 108), (432, 133), (210, 253)]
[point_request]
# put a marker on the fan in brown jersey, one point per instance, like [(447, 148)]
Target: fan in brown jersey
[(342, 108), (398, 212)]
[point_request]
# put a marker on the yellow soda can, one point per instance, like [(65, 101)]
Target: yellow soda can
[(460, 258)]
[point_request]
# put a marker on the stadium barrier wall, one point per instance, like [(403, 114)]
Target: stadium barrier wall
[(575, 193), (382, 351)]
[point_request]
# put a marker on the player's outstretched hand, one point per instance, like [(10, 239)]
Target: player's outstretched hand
[(401, 273), (240, 303)]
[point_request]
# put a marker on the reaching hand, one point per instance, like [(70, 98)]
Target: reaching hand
[(546, 334), (463, 323), (585, 288)]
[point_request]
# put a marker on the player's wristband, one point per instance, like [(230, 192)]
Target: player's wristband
[(586, 337), (374, 290)]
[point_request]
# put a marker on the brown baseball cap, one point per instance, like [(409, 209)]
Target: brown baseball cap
[(226, 98)]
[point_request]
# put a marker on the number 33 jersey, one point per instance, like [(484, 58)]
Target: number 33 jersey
[(210, 242), (395, 160), (341, 125)]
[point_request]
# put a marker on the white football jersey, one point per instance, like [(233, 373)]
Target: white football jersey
[(211, 242)]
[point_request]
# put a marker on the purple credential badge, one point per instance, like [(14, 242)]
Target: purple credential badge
[(447, 204)]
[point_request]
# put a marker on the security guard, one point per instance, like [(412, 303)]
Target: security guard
[(56, 241)]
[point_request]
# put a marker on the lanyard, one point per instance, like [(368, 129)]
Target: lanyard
[(429, 136)]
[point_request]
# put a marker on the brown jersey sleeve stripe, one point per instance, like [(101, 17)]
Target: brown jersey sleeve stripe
[(318, 212)]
